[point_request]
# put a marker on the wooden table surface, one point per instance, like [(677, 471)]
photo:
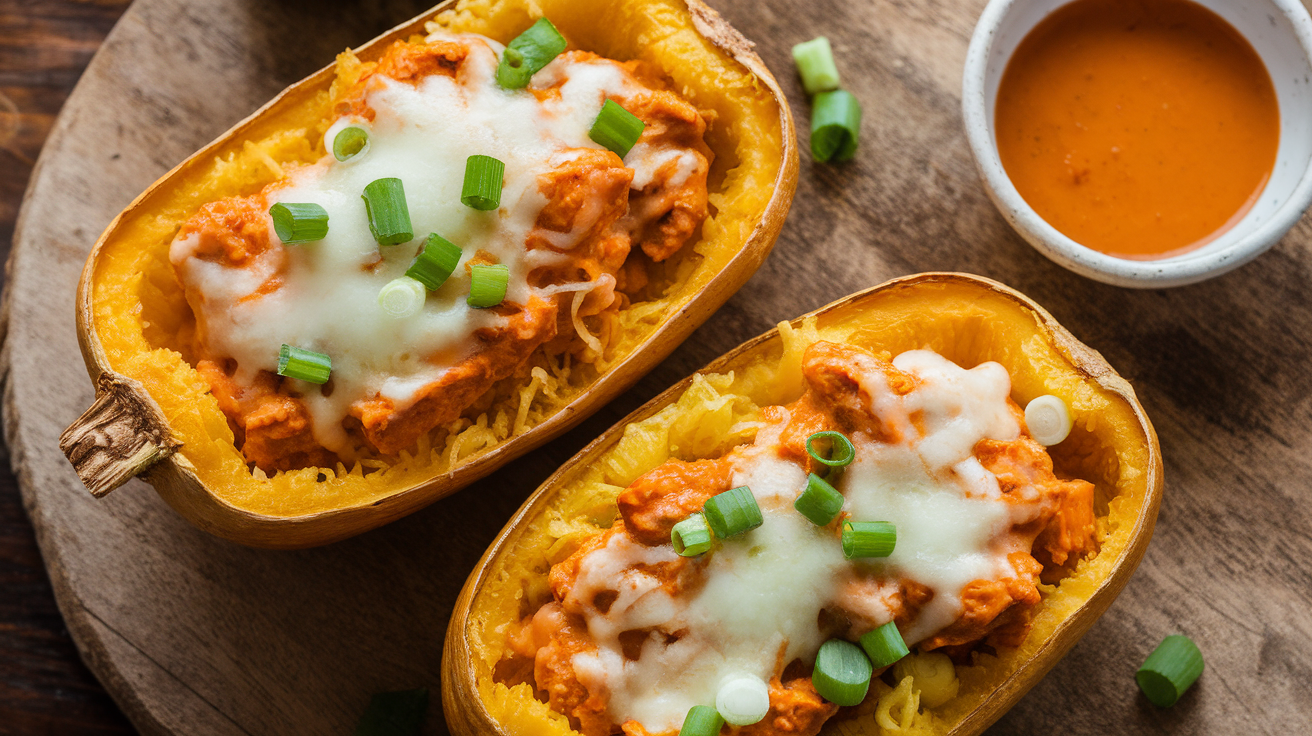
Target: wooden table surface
[(44, 687), (1222, 368)]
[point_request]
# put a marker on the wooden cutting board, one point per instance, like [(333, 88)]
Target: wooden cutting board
[(194, 635)]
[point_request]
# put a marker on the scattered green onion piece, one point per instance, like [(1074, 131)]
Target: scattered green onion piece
[(842, 672), (435, 263), (389, 217), (402, 297), (868, 539), (841, 451), (303, 222), (528, 53), (702, 720), (349, 142), (1170, 670), (835, 125), (733, 512), (394, 714), (820, 502), (884, 645), (691, 536), (815, 62), (306, 365), (743, 700), (484, 177), (616, 128), (487, 285), (1048, 420)]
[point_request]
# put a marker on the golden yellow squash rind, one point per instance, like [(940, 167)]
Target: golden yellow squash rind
[(132, 314), (965, 318)]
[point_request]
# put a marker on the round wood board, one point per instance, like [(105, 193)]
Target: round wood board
[(194, 635)]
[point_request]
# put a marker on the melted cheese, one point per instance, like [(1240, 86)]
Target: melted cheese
[(421, 134), (759, 604)]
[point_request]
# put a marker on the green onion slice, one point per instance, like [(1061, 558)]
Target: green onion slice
[(841, 452), (868, 539), (884, 645), (820, 502), (743, 700), (616, 128), (487, 285), (1048, 420), (835, 125), (435, 263), (733, 512), (691, 536), (842, 672), (702, 720), (389, 217), (528, 53), (394, 714), (1170, 670), (306, 365), (484, 177), (815, 62), (303, 222), (402, 297), (350, 142)]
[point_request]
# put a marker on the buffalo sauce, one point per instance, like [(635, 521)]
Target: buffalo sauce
[(1139, 128)]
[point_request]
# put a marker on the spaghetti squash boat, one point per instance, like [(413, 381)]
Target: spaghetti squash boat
[(866, 521), (426, 260)]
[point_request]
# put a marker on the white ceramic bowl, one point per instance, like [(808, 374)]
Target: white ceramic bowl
[(1281, 33)]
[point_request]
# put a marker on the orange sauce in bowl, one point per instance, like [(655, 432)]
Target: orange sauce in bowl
[(1139, 128)]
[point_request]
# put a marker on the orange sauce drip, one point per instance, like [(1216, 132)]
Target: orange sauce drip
[(1139, 128)]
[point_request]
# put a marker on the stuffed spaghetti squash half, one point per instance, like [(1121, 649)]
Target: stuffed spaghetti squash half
[(426, 260), (891, 516)]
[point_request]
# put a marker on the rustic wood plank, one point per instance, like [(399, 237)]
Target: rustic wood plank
[(185, 629), (44, 687)]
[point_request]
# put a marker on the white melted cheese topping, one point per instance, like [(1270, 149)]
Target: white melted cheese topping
[(759, 607), (421, 134)]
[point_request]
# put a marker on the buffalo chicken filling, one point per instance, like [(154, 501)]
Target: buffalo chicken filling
[(577, 228), (635, 635)]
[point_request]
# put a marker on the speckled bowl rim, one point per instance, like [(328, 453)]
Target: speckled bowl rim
[(1177, 271)]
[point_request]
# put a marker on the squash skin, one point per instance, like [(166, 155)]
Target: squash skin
[(182, 483), (504, 575)]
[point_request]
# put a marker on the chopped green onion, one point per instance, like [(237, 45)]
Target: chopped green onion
[(484, 177), (820, 502), (303, 222), (835, 125), (841, 452), (702, 720), (350, 142), (743, 700), (487, 285), (815, 62), (306, 365), (1048, 420), (868, 539), (389, 217), (616, 128), (732, 512), (842, 672), (394, 714), (402, 297), (691, 536), (1170, 670), (884, 645), (528, 53), (435, 263)]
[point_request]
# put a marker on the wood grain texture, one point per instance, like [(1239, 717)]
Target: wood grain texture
[(44, 687), (195, 635)]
